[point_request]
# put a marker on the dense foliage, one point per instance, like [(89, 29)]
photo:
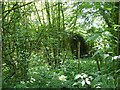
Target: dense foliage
[(36, 44)]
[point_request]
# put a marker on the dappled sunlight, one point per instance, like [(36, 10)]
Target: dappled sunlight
[(60, 44)]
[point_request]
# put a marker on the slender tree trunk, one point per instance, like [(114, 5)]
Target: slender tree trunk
[(59, 32), (98, 65), (78, 57)]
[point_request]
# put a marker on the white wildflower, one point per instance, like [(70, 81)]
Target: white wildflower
[(62, 78), (83, 82), (87, 81), (78, 76)]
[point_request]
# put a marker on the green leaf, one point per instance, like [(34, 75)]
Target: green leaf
[(93, 37)]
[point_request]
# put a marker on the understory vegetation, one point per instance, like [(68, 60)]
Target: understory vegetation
[(66, 76), (49, 44)]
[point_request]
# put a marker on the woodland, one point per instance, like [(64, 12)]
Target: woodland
[(49, 44)]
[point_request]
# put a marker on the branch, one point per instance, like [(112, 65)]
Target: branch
[(13, 8)]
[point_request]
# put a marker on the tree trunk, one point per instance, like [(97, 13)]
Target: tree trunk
[(78, 57)]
